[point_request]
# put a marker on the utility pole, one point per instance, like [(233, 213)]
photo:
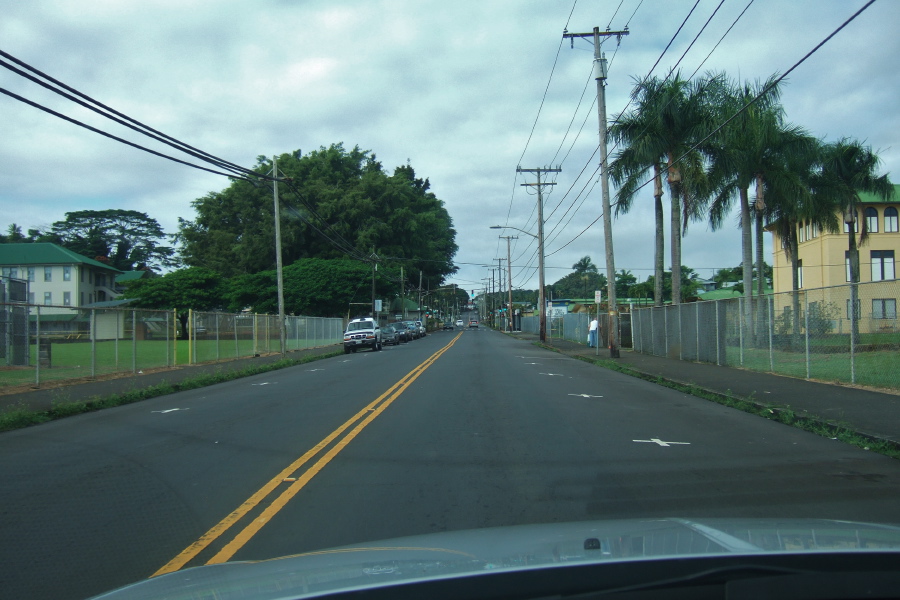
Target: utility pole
[(600, 76), (402, 295), (509, 277), (541, 299), (374, 258), (278, 265), (500, 283)]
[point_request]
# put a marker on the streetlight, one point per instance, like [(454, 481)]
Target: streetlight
[(541, 301)]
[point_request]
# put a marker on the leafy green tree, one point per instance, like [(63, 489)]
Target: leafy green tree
[(577, 285), (670, 117), (689, 285), (337, 204), (625, 280), (124, 239), (193, 288), (584, 265), (313, 287), (850, 168)]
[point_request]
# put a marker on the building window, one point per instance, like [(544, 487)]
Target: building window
[(871, 220), (67, 298), (800, 273), (815, 230), (30, 297), (801, 235), (101, 279), (882, 265), (67, 273), (890, 220), (80, 298), (91, 277), (847, 263), (48, 273), (48, 297), (30, 273), (884, 308)]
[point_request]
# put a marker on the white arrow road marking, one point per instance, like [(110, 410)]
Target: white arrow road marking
[(169, 410), (263, 383), (532, 363), (552, 374), (662, 443), (314, 370), (585, 396)]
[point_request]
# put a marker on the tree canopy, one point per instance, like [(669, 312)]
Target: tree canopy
[(124, 239), (335, 204)]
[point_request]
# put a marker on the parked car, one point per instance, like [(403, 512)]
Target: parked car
[(421, 327), (413, 329), (362, 333), (402, 332), (390, 335)]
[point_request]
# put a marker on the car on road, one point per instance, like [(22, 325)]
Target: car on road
[(421, 327), (402, 332), (362, 333), (413, 329), (459, 323), (447, 325), (390, 335), (473, 323)]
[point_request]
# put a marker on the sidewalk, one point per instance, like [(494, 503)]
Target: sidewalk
[(42, 399), (867, 412)]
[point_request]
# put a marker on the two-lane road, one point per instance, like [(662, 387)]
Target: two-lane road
[(462, 429)]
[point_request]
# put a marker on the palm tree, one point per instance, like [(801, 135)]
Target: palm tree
[(659, 134), (584, 265), (851, 168), (755, 147), (815, 204)]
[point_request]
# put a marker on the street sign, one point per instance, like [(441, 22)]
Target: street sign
[(378, 305), (598, 296)]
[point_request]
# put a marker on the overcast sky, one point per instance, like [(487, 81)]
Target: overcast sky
[(455, 88)]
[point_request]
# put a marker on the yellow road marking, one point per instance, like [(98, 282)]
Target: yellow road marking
[(371, 411)]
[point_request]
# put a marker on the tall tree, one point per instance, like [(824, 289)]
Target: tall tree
[(125, 239), (849, 168), (193, 288), (584, 265), (670, 117), (337, 204)]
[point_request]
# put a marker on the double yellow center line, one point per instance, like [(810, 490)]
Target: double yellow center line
[(360, 420)]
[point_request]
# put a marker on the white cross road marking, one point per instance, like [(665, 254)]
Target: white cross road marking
[(662, 443), (169, 410), (585, 396), (552, 374)]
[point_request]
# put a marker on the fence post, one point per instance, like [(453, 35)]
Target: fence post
[(666, 329), (192, 329), (167, 339), (218, 320), (697, 318), (37, 347), (174, 336), (133, 340), (680, 334), (93, 343), (806, 327), (769, 303), (718, 335), (234, 326), (116, 341), (853, 342), (652, 329)]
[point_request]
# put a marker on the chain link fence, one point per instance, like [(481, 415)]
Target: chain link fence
[(574, 327), (848, 333), (40, 343)]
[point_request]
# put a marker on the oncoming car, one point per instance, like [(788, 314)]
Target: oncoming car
[(459, 323), (362, 333)]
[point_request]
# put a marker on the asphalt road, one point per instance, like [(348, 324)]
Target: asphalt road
[(462, 429)]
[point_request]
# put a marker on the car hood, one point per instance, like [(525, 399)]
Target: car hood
[(462, 553)]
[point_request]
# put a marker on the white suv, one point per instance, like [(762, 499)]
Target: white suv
[(362, 333)]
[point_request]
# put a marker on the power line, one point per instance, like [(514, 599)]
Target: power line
[(113, 137)]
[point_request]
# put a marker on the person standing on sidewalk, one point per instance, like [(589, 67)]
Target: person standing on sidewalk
[(592, 334)]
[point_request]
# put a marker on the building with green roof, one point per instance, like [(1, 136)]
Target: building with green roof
[(58, 277)]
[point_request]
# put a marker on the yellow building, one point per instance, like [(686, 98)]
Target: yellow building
[(824, 258)]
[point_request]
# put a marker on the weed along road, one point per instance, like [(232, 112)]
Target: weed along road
[(462, 429)]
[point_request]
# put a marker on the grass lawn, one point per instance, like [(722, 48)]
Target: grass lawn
[(878, 369), (72, 360)]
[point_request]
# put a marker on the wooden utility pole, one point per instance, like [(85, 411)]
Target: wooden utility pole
[(600, 76), (540, 237), (509, 320), (278, 264)]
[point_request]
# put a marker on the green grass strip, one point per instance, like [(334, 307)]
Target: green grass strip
[(19, 417), (781, 414)]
